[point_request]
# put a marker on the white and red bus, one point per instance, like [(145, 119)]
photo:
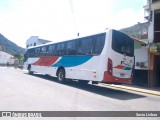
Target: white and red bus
[(105, 57)]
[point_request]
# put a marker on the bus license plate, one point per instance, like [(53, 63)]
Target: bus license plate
[(122, 74)]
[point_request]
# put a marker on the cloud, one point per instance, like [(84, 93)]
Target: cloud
[(91, 15), (47, 19), (56, 19), (126, 18)]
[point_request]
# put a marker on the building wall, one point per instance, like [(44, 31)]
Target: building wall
[(153, 5), (141, 58), (151, 29), (6, 58), (34, 40), (31, 41), (140, 74), (154, 54)]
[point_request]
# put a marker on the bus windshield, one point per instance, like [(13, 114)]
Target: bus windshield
[(122, 43)]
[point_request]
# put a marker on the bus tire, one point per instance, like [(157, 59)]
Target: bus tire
[(29, 70), (61, 75)]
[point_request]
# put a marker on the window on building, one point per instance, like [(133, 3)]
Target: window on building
[(155, 0), (157, 26), (34, 44)]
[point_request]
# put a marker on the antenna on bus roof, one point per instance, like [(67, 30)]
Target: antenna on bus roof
[(74, 19)]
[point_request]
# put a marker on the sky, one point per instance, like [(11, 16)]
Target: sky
[(59, 20)]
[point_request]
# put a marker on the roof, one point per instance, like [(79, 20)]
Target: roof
[(143, 41)]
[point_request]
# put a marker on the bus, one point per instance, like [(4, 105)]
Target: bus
[(106, 57)]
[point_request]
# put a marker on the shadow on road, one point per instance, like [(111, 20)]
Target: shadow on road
[(104, 91)]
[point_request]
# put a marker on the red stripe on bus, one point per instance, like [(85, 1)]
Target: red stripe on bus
[(46, 61), (119, 67)]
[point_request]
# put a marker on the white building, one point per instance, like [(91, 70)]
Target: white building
[(141, 55), (6, 58), (140, 76), (152, 14), (34, 40)]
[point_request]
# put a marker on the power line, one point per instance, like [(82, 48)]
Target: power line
[(74, 19), (71, 5)]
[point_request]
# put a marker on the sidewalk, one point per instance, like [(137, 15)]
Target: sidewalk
[(152, 91)]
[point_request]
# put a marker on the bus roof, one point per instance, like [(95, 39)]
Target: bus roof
[(68, 39)]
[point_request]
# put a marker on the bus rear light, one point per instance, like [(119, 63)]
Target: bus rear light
[(109, 67)]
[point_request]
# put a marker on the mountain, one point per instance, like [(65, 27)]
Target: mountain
[(138, 31), (10, 47)]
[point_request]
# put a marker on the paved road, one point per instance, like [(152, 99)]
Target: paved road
[(20, 91)]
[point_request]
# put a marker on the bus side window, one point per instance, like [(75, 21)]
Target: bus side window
[(70, 48), (80, 47), (51, 50), (99, 44), (31, 52), (91, 44), (58, 51), (61, 49), (43, 51), (85, 46), (37, 52)]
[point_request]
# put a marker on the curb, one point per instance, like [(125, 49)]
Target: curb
[(147, 91)]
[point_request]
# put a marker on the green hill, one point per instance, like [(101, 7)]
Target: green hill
[(10, 47), (138, 31)]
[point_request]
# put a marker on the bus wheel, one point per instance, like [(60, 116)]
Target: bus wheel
[(61, 76), (29, 71)]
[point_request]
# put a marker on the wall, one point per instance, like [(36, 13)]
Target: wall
[(34, 40), (151, 29), (140, 73), (141, 56), (6, 58), (30, 42)]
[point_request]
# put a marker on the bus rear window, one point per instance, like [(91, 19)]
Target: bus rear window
[(122, 43)]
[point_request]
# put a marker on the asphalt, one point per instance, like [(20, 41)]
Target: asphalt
[(152, 91), (147, 90)]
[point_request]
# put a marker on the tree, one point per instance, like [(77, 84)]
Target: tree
[(19, 56)]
